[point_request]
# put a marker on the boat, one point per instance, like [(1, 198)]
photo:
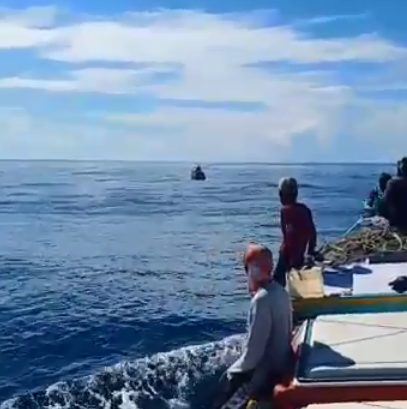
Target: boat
[(349, 356), (197, 173), (349, 337)]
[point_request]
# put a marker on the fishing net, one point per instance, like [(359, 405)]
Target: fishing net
[(366, 243)]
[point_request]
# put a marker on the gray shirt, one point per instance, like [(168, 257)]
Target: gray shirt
[(268, 344)]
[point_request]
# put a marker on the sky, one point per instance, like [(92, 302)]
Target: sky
[(204, 80)]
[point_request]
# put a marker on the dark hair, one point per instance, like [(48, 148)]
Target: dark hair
[(402, 166), (383, 180), (288, 189)]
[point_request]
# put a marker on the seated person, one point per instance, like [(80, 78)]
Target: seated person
[(374, 201), (298, 230), (395, 198), (267, 353)]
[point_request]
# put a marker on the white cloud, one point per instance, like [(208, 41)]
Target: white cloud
[(273, 125), (194, 38), (26, 28), (32, 17), (99, 80), (217, 55), (29, 136), (333, 18), (386, 126)]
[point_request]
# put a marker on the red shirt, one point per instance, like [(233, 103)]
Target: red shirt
[(298, 228)]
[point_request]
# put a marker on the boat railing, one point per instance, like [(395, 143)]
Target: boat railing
[(297, 395), (308, 308)]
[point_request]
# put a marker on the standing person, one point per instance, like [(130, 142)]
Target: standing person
[(395, 197), (298, 230), (267, 353)]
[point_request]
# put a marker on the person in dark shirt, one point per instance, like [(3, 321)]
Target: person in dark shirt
[(374, 201), (395, 198), (398, 167), (298, 230)]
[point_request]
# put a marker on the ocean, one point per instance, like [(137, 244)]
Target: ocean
[(121, 283)]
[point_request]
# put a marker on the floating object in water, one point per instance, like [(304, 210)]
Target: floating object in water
[(198, 174)]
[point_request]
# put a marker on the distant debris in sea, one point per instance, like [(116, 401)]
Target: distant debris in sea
[(197, 173)]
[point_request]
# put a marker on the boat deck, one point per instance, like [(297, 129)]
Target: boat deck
[(370, 405), (363, 278), (356, 347)]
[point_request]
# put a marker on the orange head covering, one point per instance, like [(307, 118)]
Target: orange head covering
[(258, 264)]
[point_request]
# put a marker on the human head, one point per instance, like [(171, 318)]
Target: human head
[(402, 167), (258, 264), (288, 190), (383, 179)]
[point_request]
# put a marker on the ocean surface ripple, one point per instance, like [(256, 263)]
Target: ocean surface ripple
[(121, 284)]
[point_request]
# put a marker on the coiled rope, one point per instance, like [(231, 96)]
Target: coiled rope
[(363, 244)]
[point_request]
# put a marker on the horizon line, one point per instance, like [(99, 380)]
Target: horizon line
[(200, 162)]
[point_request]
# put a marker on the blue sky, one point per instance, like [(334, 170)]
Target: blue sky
[(204, 80)]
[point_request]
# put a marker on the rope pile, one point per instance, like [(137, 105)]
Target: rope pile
[(365, 243)]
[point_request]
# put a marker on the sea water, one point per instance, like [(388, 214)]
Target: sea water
[(121, 283)]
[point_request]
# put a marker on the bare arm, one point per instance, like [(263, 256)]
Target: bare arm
[(312, 243), (283, 224)]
